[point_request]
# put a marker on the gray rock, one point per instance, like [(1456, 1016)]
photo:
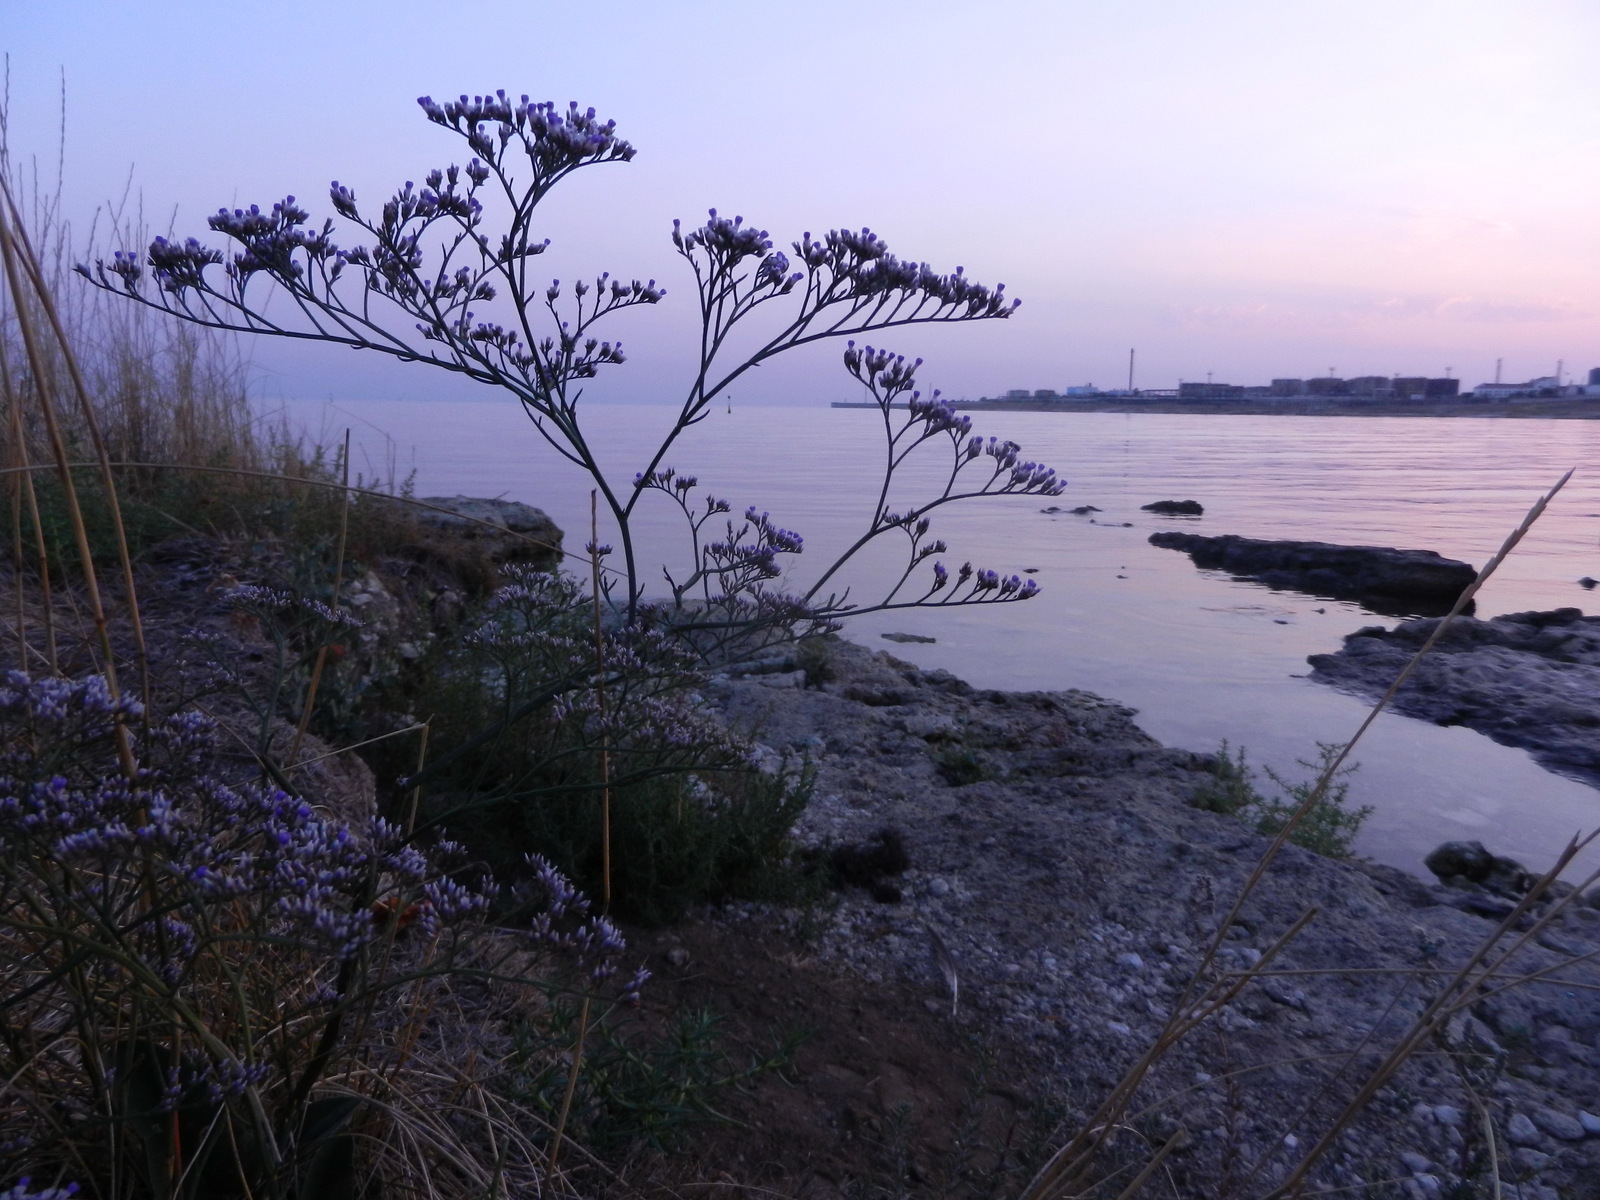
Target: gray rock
[(507, 530), (1522, 1131), (906, 638), (1446, 1114), (1530, 680), (1559, 1125), (1415, 1163), (1590, 1122), (1469, 860), (1175, 508), (1398, 582), (1131, 960)]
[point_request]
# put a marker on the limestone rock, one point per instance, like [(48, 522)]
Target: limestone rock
[(508, 530), (1399, 582)]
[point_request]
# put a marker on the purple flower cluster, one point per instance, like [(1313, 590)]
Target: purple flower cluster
[(23, 1190)]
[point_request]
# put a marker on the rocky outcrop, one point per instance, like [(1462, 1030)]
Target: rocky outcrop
[(506, 530), (1175, 508), (1394, 582), (1529, 679)]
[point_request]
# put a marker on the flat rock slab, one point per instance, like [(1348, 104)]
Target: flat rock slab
[(509, 530), (1530, 680), (1386, 580)]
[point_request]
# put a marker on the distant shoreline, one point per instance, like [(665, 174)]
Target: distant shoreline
[(1565, 410), (1571, 410)]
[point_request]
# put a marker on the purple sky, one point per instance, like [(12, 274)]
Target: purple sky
[(1246, 187)]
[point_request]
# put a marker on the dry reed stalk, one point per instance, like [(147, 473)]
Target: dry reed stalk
[(605, 817), (338, 583), (8, 251), (42, 292), (1072, 1161), (23, 486)]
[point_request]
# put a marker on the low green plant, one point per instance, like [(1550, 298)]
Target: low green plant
[(594, 749), (634, 1087), (1329, 827)]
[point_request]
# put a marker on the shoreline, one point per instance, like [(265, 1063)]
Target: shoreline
[(1567, 410)]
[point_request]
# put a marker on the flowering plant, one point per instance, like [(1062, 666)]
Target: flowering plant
[(202, 983), (439, 280)]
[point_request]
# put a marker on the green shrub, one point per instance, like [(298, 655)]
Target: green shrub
[(1329, 827)]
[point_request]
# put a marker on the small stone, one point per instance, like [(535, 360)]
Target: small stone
[(1530, 1159), (1590, 1123), (1446, 1115), (1422, 1112), (1290, 1141), (1202, 1077), (1559, 1125), (1522, 1131), (678, 957), (1415, 1163), (938, 887), (1118, 1027), (1427, 1186), (1131, 960)]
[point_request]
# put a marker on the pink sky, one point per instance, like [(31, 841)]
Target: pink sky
[(1245, 187)]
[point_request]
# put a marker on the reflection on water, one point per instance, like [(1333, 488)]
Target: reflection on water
[(1202, 656)]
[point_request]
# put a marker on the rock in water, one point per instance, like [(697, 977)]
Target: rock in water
[(1468, 860), (1529, 679), (1386, 580), (514, 532), (1175, 508)]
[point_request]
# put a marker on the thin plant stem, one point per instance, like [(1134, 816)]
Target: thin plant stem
[(23, 485), (572, 1086), (338, 582), (600, 697)]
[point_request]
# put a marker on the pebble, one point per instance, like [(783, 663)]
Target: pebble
[(1131, 960), (1590, 1122), (1530, 1159), (1446, 1115), (1522, 1131), (938, 887), (1415, 1163), (1559, 1125), (1118, 1027)]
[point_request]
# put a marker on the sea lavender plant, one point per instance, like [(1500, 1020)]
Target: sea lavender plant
[(444, 276), (199, 981)]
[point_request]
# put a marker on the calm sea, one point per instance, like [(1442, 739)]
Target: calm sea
[(1202, 657)]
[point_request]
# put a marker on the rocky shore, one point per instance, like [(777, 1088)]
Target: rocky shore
[(1059, 873), (1529, 679), (1017, 889)]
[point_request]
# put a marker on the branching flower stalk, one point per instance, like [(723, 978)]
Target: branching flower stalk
[(436, 281)]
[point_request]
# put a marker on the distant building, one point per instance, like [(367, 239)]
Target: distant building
[(1087, 389), (1442, 389), (1018, 394), (1045, 394), (1327, 385), (1542, 388), (1594, 377), (1378, 387), (1210, 391), (1287, 387)]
